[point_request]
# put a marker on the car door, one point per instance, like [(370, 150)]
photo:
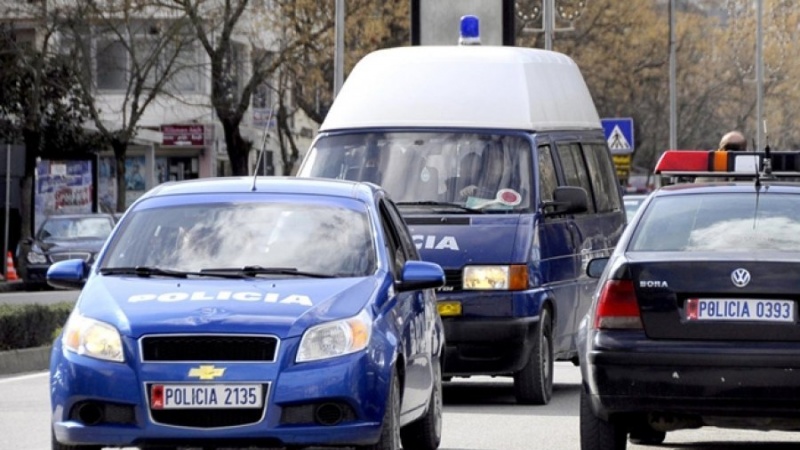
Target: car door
[(411, 311)]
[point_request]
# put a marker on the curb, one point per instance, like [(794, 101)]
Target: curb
[(25, 360)]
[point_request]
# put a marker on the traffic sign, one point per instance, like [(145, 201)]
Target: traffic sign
[(619, 135)]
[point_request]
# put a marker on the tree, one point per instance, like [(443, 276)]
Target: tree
[(41, 106), (144, 52)]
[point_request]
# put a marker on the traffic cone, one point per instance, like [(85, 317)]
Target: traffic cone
[(11, 272)]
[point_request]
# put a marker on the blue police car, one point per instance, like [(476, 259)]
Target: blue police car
[(695, 319), (238, 312)]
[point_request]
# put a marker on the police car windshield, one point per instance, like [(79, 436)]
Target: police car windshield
[(310, 238), (729, 222), (481, 171)]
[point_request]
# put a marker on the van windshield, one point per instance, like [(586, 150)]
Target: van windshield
[(486, 172)]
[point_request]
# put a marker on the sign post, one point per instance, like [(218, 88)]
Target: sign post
[(619, 136)]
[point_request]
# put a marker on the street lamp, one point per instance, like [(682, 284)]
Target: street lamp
[(533, 10)]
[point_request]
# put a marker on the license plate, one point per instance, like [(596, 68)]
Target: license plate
[(740, 310), (206, 396)]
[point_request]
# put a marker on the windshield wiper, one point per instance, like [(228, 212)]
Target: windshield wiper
[(445, 204), (145, 271), (252, 271)]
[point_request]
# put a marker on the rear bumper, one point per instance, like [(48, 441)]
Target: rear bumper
[(705, 379)]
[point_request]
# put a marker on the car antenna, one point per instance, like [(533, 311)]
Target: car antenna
[(263, 149)]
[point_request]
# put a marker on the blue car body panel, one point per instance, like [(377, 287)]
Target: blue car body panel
[(407, 338)]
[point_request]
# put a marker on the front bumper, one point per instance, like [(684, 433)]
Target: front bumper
[(357, 383), (628, 373)]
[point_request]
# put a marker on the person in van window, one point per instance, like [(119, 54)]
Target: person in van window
[(489, 175)]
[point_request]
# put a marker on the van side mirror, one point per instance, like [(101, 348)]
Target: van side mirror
[(567, 200)]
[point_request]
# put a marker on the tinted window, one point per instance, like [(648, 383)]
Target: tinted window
[(75, 228), (720, 222), (547, 174), (575, 173), (308, 236), (603, 177)]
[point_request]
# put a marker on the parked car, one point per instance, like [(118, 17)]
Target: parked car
[(277, 312), (632, 203), (62, 237), (695, 319)]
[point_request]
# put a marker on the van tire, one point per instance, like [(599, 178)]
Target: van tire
[(533, 385), (425, 433), (596, 433)]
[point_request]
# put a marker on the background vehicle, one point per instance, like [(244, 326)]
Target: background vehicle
[(632, 203), (233, 312), (59, 238), (694, 321), (498, 162)]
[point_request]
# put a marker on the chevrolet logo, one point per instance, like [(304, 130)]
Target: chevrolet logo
[(206, 372)]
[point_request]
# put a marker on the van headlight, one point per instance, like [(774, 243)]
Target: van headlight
[(499, 278), (337, 338), (93, 338)]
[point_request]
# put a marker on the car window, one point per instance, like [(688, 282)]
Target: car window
[(603, 177), (547, 174), (315, 237), (574, 168), (742, 222), (393, 241)]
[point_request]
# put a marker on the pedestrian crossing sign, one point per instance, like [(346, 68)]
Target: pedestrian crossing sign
[(619, 135)]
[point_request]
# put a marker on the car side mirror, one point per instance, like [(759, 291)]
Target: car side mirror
[(567, 200), (420, 275), (69, 274), (596, 267)]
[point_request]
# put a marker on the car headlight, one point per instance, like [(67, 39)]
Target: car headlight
[(35, 257), (93, 338), (337, 338), (503, 278)]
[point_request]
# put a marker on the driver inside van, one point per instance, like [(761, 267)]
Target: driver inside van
[(486, 173)]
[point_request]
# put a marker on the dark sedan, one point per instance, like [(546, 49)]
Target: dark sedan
[(695, 319), (62, 237)]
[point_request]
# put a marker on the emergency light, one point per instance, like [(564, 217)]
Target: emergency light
[(722, 163), (470, 31)]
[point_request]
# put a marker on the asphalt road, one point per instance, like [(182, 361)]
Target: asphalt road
[(480, 414)]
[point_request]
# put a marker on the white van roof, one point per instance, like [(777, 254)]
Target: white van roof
[(466, 86)]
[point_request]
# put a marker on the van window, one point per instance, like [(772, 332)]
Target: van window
[(603, 177), (489, 172), (575, 173), (548, 180)]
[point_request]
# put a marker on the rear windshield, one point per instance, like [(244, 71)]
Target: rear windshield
[(477, 170), (312, 237), (734, 222)]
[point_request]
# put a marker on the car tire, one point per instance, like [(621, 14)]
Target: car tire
[(645, 435), (596, 433), (55, 445), (390, 429), (533, 385), (425, 433)]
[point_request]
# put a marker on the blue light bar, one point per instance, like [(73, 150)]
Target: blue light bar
[(470, 31)]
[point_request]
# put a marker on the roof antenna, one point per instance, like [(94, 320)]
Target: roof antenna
[(263, 148)]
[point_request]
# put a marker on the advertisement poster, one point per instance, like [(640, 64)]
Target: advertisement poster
[(107, 184), (62, 187), (134, 178)]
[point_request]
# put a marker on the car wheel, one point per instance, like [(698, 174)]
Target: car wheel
[(426, 432), (646, 435), (390, 430), (596, 433), (533, 385), (55, 445)]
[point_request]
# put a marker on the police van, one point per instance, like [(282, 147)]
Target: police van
[(498, 162)]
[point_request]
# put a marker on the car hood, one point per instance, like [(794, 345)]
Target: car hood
[(285, 308)]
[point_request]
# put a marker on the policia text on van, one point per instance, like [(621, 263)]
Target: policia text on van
[(498, 161)]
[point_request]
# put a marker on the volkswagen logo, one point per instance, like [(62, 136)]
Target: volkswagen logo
[(740, 277)]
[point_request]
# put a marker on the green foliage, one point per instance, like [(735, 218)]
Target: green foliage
[(31, 325)]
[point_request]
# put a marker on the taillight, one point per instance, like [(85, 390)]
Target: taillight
[(617, 307)]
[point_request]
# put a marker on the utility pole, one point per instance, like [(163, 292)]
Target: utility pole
[(338, 58), (673, 96), (759, 76)]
